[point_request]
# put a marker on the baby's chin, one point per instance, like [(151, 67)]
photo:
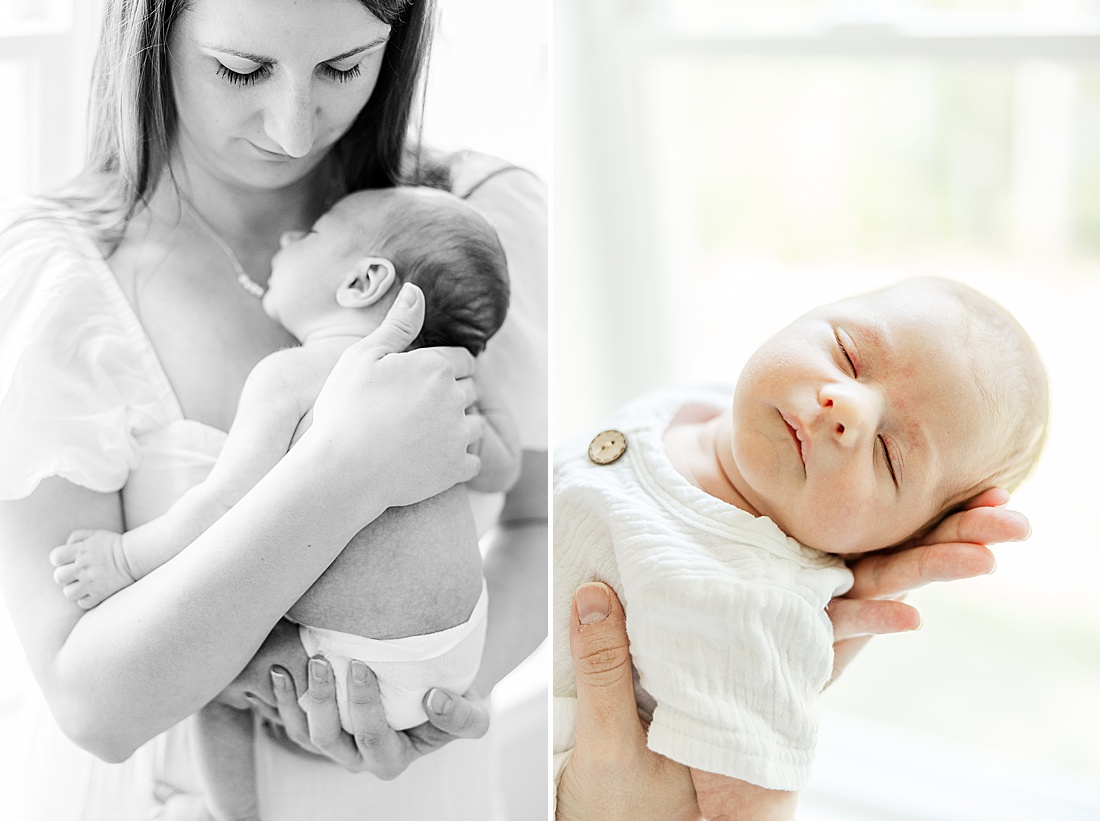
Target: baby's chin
[(841, 538)]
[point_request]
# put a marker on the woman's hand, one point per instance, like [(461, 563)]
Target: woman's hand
[(955, 549), (394, 422), (612, 775), (313, 723)]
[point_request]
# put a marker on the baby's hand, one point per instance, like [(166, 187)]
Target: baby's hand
[(91, 566)]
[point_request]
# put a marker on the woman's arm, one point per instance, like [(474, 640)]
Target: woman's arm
[(160, 649)]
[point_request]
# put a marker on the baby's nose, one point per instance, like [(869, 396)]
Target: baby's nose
[(852, 410)]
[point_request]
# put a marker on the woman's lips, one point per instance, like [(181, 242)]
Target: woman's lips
[(798, 435)]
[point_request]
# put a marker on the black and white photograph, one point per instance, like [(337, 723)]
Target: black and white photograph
[(273, 409)]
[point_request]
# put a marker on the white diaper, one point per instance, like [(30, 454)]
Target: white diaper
[(406, 668)]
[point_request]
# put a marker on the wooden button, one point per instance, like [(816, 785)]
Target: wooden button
[(607, 447)]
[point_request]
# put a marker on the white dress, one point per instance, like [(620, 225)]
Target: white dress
[(83, 396)]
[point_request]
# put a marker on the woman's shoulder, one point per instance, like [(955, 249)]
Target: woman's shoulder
[(77, 378), (42, 248), (482, 176)]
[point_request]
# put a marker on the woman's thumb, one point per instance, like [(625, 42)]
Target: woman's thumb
[(402, 322), (606, 709)]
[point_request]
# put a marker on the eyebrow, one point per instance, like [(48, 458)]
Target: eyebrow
[(259, 58)]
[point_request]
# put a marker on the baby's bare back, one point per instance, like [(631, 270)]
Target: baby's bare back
[(411, 571)]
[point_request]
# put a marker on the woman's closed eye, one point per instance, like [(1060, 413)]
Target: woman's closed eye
[(244, 78), (339, 74), (261, 72)]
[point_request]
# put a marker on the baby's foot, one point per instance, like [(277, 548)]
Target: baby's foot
[(91, 567)]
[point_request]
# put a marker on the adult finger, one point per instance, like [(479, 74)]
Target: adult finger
[(460, 717), (460, 359), (993, 497), (871, 617), (290, 714), (843, 653), (475, 430), (980, 525), (401, 324), (378, 747), (266, 711), (318, 702), (888, 574), (607, 714), (469, 392)]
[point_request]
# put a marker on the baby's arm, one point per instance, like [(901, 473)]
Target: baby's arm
[(500, 447), (721, 797), (93, 565)]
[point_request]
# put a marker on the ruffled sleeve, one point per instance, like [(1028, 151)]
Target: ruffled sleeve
[(514, 201), (76, 372)]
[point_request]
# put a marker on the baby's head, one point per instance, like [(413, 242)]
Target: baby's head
[(343, 275), (866, 421)]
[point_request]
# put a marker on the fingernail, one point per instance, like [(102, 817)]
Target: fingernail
[(993, 569), (920, 622), (358, 672), (318, 670), (278, 680), (407, 297), (593, 603), (439, 701)]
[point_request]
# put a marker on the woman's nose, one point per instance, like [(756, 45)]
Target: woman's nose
[(290, 118), (851, 410), (288, 237)]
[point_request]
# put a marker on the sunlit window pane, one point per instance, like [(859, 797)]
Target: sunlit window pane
[(811, 158)]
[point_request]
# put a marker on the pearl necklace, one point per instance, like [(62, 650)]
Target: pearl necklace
[(247, 283)]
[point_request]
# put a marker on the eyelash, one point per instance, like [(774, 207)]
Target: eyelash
[(889, 461), (253, 77), (844, 351)]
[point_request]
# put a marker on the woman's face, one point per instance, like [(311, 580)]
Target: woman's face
[(264, 88)]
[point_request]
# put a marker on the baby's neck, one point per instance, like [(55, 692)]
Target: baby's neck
[(696, 450), (336, 330)]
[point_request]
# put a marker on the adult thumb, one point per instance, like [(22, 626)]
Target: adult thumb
[(606, 710), (402, 322)]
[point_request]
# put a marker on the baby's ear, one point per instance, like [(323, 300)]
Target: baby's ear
[(369, 280)]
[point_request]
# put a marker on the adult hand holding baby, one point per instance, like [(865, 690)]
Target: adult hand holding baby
[(612, 775), (406, 409), (955, 549)]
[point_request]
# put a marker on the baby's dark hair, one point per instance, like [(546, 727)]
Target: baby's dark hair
[(445, 247)]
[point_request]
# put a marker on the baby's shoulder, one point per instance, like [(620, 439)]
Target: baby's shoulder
[(290, 376)]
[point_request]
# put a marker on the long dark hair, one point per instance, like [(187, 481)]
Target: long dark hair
[(132, 114)]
